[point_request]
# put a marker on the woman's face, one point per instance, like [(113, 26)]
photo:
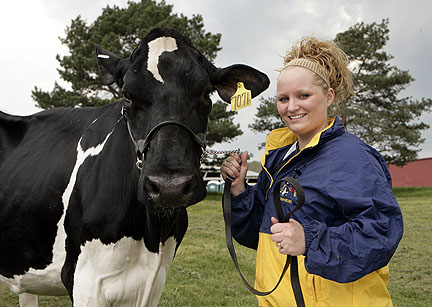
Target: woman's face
[(302, 103)]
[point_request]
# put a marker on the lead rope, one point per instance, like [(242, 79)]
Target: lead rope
[(295, 281)]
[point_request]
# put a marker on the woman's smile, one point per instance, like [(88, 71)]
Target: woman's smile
[(294, 117)]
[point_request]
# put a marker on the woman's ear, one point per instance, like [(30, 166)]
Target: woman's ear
[(330, 96)]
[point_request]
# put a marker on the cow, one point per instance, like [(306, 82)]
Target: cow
[(93, 199)]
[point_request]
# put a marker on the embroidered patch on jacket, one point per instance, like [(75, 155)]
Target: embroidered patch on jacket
[(287, 193)]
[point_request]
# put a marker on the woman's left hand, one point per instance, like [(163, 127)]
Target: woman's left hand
[(289, 237)]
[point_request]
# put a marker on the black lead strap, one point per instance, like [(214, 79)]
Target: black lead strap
[(295, 281)]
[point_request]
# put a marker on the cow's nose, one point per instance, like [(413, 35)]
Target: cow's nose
[(166, 192)]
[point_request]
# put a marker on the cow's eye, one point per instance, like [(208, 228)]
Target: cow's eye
[(206, 98)]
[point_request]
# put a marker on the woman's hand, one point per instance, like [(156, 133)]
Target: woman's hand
[(236, 167), (289, 237)]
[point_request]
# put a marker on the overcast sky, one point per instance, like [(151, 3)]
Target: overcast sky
[(254, 32)]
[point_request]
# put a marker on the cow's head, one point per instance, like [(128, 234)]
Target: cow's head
[(167, 79)]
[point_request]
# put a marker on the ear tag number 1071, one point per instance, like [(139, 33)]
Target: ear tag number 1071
[(242, 98)]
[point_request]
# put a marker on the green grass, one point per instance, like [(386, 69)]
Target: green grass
[(409, 192), (203, 274), (411, 266)]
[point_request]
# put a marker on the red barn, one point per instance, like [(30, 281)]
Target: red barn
[(417, 173)]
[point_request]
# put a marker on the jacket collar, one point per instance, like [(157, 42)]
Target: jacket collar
[(282, 137)]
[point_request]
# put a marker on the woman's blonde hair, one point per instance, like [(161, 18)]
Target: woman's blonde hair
[(327, 60)]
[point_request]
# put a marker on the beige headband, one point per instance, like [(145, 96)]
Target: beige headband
[(312, 66)]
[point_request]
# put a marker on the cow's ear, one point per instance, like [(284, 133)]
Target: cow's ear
[(108, 65), (225, 80)]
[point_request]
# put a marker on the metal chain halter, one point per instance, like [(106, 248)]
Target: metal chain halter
[(212, 152)]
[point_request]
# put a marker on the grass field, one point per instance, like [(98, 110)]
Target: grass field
[(203, 274)]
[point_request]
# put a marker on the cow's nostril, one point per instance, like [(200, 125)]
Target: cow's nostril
[(188, 187), (154, 185), (154, 188)]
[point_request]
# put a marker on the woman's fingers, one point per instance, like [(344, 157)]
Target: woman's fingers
[(289, 237), (231, 166)]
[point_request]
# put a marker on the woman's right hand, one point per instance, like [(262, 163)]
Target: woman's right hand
[(236, 167)]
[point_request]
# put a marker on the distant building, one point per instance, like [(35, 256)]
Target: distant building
[(212, 176), (416, 173)]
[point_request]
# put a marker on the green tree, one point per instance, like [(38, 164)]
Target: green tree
[(120, 31), (221, 129), (376, 113), (221, 124)]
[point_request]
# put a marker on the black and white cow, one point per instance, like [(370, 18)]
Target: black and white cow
[(74, 204)]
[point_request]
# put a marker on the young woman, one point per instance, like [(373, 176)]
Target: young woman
[(350, 224)]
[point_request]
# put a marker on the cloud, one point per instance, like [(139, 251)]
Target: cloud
[(66, 10)]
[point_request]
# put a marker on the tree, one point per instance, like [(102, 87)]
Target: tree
[(376, 113), (221, 124), (120, 31), (221, 129)]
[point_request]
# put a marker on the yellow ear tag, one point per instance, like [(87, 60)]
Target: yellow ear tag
[(242, 98)]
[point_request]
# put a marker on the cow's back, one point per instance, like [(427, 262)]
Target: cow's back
[(12, 131), (37, 157)]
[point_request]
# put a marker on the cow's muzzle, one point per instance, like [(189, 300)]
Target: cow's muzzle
[(176, 191)]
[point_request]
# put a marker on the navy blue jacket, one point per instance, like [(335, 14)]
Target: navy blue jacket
[(351, 219)]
